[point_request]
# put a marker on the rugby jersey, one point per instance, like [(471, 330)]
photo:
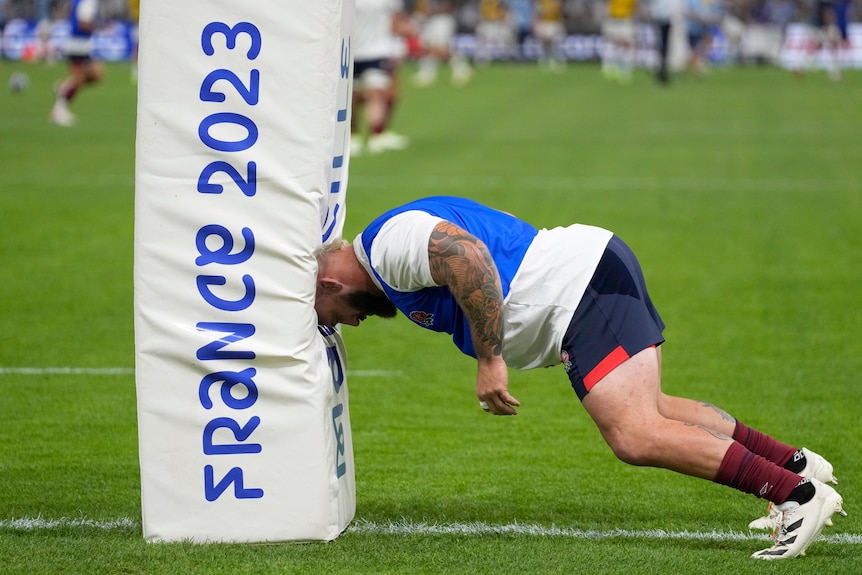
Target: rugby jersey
[(543, 273)]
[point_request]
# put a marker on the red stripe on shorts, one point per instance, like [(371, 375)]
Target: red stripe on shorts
[(607, 365)]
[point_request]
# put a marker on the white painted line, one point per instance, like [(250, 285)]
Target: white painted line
[(36, 523), (478, 528), (406, 527)]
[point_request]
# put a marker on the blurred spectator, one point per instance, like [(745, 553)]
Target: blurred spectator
[(437, 26), (618, 40), (775, 12), (84, 70), (379, 26), (550, 31), (701, 17)]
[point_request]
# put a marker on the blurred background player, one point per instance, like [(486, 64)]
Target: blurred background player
[(701, 18), (134, 20), (661, 14), (618, 40), (829, 32), (437, 26), (84, 70), (521, 15), (379, 26), (550, 30), (495, 34)]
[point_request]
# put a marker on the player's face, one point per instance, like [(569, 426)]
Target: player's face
[(352, 308)]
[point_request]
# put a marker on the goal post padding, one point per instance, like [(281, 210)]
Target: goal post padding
[(241, 173)]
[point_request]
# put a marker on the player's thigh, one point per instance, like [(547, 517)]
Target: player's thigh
[(626, 399)]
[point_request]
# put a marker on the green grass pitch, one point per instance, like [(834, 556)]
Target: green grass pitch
[(741, 193)]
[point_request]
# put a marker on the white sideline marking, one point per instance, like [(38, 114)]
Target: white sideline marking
[(34, 523), (405, 527), (131, 370)]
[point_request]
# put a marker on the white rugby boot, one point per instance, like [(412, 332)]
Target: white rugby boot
[(816, 467), (386, 141), (61, 115), (800, 524)]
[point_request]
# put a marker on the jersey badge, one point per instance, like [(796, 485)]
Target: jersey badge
[(422, 317)]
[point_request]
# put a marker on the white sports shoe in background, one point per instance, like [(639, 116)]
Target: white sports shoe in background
[(816, 467), (800, 524), (386, 141), (61, 116)]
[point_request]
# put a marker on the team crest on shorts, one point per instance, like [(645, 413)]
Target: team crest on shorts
[(567, 363), (422, 317)]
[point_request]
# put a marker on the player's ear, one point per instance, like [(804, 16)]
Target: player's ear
[(330, 286)]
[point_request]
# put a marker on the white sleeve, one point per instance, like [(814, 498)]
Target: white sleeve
[(400, 251)]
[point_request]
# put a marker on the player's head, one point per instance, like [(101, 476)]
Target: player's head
[(345, 293)]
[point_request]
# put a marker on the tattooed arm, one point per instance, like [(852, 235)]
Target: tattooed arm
[(462, 262)]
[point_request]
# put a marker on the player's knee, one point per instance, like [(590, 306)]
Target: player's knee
[(632, 447)]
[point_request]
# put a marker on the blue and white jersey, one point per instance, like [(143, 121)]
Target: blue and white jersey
[(543, 273), (82, 17)]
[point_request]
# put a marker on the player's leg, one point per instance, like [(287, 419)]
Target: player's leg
[(93, 71), (624, 406), (798, 460), (381, 93), (357, 111), (66, 90), (610, 355)]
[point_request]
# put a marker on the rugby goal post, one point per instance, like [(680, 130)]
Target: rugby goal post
[(241, 171)]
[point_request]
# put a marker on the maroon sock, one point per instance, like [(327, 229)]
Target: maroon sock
[(751, 473), (763, 445)]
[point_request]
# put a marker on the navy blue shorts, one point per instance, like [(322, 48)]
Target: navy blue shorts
[(360, 66), (615, 320)]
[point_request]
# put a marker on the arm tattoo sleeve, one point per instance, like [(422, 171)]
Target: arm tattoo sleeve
[(462, 262)]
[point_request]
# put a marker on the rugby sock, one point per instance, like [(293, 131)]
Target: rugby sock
[(751, 473), (772, 449), (66, 90), (802, 493)]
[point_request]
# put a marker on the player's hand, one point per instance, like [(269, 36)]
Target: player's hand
[(492, 387)]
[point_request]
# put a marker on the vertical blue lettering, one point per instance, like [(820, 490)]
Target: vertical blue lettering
[(340, 463), (240, 433), (213, 491), (237, 331)]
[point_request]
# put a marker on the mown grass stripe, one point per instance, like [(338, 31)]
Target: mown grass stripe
[(66, 370)]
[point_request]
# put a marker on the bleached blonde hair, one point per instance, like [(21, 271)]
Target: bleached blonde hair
[(322, 253)]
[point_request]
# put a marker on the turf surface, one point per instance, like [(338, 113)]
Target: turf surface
[(741, 194)]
